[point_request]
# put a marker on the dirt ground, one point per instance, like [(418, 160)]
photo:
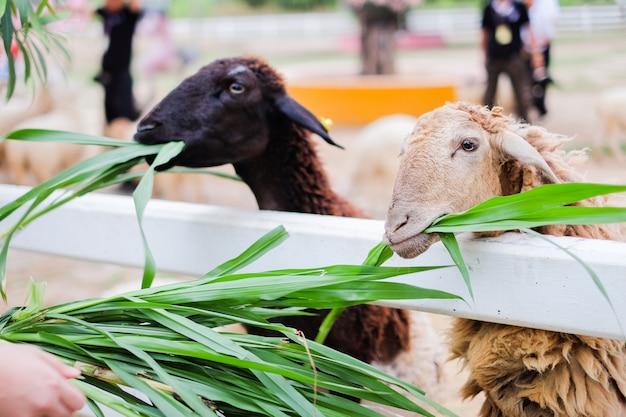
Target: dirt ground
[(583, 66)]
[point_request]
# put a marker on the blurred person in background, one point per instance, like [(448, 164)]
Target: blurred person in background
[(120, 19), (162, 55), (501, 42), (544, 15)]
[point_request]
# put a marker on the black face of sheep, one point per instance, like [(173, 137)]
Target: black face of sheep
[(224, 114), (236, 111)]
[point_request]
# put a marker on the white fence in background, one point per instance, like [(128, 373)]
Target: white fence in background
[(516, 279), (443, 22)]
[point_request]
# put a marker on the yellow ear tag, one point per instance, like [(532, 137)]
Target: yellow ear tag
[(326, 122)]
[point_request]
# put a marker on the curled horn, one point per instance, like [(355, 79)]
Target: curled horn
[(518, 148)]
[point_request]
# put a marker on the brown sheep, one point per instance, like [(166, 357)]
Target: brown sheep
[(236, 111), (458, 156)]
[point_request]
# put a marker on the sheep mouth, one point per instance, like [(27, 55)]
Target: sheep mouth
[(163, 167), (148, 137), (411, 246)]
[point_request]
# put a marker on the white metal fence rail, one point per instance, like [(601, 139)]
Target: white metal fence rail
[(444, 22), (516, 279)]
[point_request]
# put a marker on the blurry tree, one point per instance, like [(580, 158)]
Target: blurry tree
[(303, 4), (255, 3), (24, 33), (291, 4), (380, 20)]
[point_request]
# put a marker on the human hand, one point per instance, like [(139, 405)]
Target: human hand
[(34, 384)]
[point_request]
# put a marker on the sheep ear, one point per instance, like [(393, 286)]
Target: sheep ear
[(515, 146), (298, 114)]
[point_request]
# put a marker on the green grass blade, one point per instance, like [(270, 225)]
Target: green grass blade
[(378, 255), (451, 244), (577, 215), (540, 206), (556, 215), (80, 172), (96, 171), (536, 200), (40, 62), (269, 241), (347, 293), (43, 135), (170, 408), (591, 272), (183, 170), (26, 53), (142, 195), (98, 395)]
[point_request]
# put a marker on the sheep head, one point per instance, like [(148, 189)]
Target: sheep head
[(224, 113), (456, 157)]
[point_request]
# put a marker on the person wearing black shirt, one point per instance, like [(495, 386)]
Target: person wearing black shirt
[(502, 23), (119, 20)]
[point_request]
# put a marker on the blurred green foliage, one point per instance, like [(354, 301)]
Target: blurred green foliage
[(200, 8), (24, 32)]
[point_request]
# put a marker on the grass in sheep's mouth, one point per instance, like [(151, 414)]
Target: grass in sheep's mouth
[(100, 171), (160, 342), (541, 206)]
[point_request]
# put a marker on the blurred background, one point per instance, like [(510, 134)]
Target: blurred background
[(430, 54)]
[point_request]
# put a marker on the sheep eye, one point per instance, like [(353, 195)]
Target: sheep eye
[(469, 145), (236, 88)]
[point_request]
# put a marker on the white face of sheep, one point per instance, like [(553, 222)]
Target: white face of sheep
[(449, 164)]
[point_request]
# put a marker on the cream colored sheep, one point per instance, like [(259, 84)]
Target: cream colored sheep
[(23, 107), (611, 108), (462, 154), (51, 106), (374, 158), (20, 108), (30, 163)]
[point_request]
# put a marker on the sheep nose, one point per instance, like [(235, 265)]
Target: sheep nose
[(395, 223), (392, 228), (144, 127)]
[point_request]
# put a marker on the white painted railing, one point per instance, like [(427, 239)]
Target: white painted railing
[(461, 22), (516, 279)]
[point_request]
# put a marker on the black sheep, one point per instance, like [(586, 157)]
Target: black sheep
[(236, 111)]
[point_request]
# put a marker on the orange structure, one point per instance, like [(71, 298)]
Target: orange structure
[(359, 100)]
